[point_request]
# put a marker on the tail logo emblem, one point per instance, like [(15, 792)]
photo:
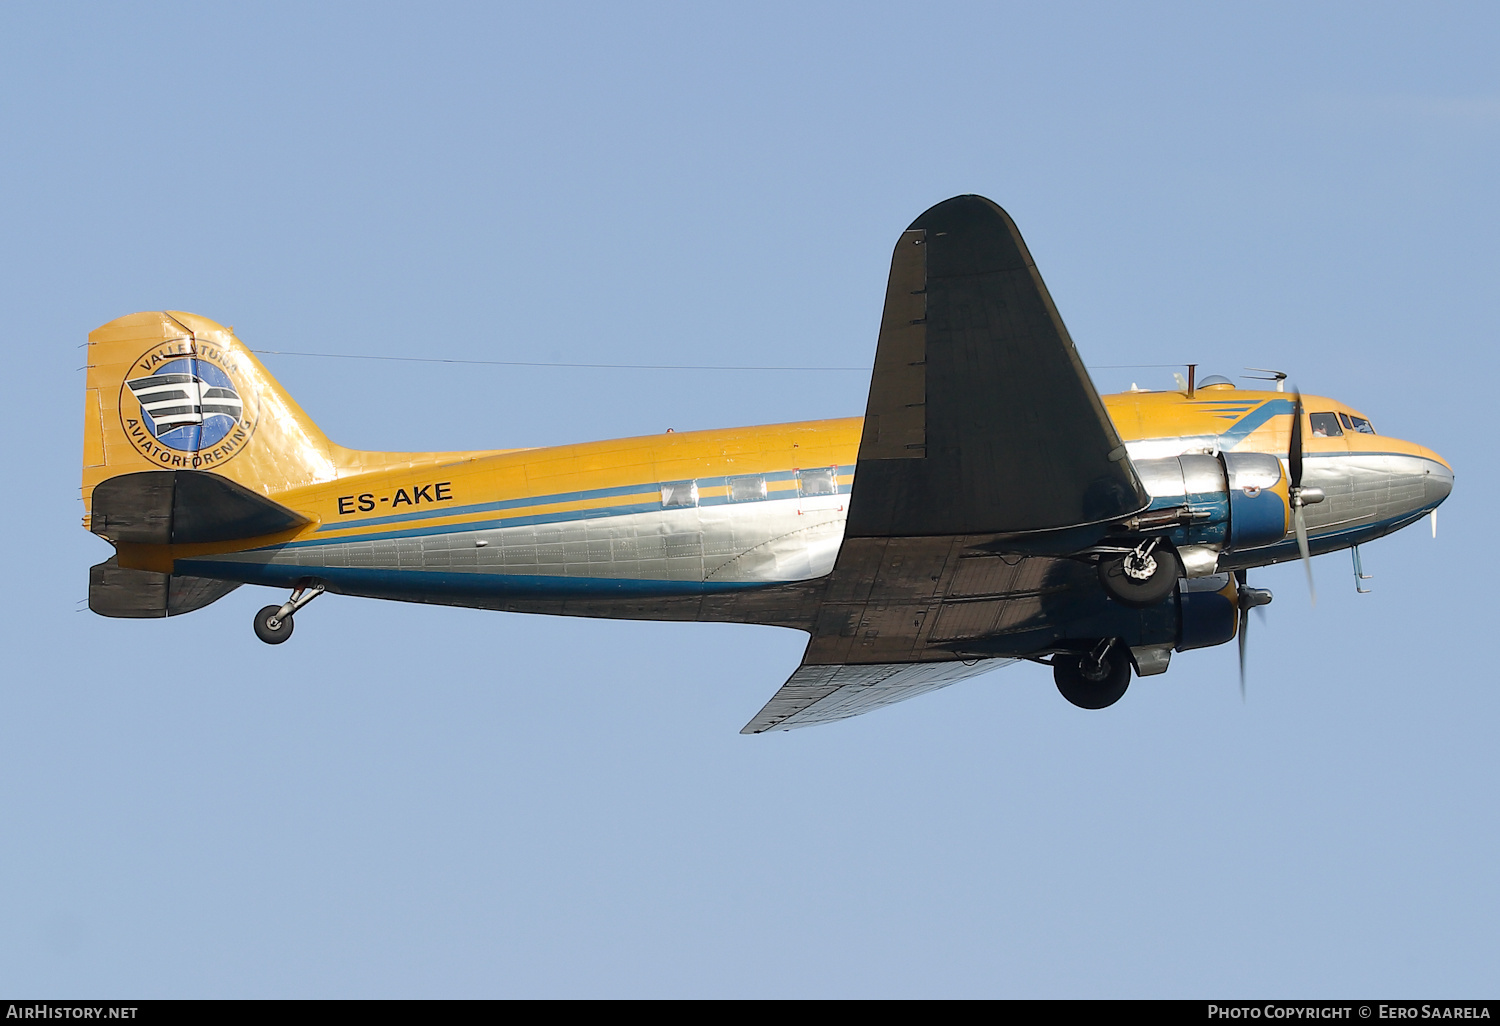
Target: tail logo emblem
[(185, 404)]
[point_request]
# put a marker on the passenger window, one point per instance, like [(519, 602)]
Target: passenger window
[(1325, 425), (676, 494), (747, 489), (823, 481)]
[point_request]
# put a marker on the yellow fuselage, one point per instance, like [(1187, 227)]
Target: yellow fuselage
[(381, 506)]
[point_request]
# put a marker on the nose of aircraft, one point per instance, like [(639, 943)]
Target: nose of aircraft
[(1437, 484), (1399, 483)]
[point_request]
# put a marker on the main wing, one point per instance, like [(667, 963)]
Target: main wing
[(981, 417), (982, 425)]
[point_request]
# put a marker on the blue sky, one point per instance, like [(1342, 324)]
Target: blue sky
[(411, 801)]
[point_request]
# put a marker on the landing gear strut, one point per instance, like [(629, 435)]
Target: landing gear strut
[(1095, 679), (273, 624), (1143, 576)]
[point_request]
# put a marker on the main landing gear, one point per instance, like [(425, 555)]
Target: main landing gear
[(1143, 576), (1095, 679), (273, 624)]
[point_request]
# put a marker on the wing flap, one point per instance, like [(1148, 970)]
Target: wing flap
[(896, 415)]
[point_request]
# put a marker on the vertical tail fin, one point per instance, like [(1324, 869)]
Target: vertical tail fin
[(174, 391)]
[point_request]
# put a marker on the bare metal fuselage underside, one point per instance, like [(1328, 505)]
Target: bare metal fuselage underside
[(770, 562)]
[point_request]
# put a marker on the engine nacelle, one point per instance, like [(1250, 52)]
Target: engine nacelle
[(1211, 504), (1258, 507), (1208, 612)]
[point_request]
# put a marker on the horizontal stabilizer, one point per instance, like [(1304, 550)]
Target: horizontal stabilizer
[(822, 694), (136, 594), (181, 507)]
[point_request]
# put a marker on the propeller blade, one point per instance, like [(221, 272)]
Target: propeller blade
[(1300, 522), (1294, 492), (1294, 451), (1244, 646), (1241, 580), (1247, 598)]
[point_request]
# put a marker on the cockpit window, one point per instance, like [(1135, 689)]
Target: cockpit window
[(1357, 424), (1325, 425)]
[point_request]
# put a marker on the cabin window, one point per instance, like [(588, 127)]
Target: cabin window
[(677, 494), (747, 489), (1357, 424), (1325, 425), (823, 481)]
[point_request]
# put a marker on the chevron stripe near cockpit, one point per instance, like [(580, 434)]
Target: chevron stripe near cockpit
[(1256, 418)]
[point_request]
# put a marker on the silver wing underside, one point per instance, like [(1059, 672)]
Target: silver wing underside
[(823, 694)]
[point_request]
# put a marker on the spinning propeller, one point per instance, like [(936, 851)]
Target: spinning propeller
[(1247, 598), (1299, 495)]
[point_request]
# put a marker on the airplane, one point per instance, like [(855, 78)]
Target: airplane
[(989, 507)]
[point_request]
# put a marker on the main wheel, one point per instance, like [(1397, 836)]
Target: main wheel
[(271, 629), (1141, 582), (1092, 687)]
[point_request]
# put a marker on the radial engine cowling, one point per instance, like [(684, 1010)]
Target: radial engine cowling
[(1208, 612), (1258, 507), (1235, 500)]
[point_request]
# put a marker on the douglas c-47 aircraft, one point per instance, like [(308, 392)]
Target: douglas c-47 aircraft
[(989, 507)]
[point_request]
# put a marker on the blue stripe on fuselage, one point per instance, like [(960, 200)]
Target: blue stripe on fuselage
[(419, 584), (1321, 543), (558, 517)]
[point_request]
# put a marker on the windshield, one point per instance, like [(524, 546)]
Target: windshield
[(1324, 425)]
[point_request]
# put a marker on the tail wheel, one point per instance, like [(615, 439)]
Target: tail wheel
[(1141, 578), (270, 628), (1091, 683)]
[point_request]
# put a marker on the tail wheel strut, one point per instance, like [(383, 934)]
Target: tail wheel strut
[(273, 624)]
